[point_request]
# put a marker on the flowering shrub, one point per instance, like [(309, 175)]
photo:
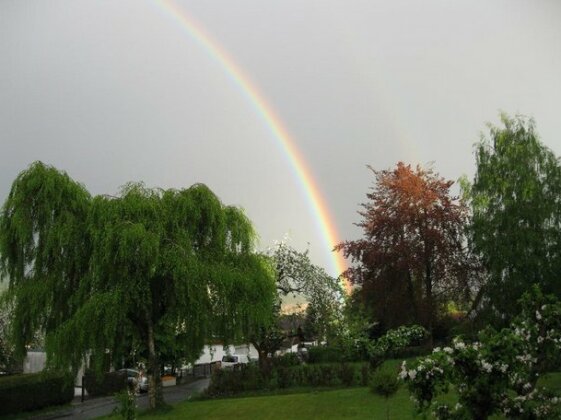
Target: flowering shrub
[(497, 374), (394, 341)]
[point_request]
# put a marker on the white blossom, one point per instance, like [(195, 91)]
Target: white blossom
[(487, 367), (459, 345)]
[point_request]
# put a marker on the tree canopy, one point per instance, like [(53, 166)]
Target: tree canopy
[(90, 270), (412, 250), (515, 201), (296, 275)]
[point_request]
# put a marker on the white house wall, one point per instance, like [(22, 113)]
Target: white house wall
[(215, 352)]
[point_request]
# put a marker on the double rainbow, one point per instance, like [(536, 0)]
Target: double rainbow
[(317, 203)]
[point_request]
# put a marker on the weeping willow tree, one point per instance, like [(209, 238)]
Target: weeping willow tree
[(91, 272)]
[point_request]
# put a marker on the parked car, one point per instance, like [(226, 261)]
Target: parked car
[(231, 360), (136, 379)]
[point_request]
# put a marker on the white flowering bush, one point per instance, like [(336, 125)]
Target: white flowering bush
[(497, 374), (394, 341)]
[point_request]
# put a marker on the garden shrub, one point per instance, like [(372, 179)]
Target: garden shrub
[(498, 374), (410, 352), (286, 360), (34, 391), (227, 382), (109, 383), (230, 382), (126, 405), (349, 375), (364, 372), (325, 355), (395, 343), (384, 382)]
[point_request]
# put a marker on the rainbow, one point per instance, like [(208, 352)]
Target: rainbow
[(317, 203)]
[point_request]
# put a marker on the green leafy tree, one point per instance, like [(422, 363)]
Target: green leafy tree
[(88, 271), (296, 275), (516, 215)]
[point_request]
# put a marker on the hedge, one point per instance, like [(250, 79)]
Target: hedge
[(325, 355), (230, 382), (34, 391), (107, 384)]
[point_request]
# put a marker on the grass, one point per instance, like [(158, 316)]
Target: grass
[(355, 403), (305, 403), (551, 381)]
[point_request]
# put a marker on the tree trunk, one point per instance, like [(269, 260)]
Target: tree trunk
[(263, 359), (411, 291), (430, 304), (155, 394)]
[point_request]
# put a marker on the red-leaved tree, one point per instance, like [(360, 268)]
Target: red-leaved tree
[(412, 252)]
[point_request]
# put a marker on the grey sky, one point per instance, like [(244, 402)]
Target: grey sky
[(114, 91)]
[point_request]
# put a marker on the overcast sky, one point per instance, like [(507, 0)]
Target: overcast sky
[(115, 91)]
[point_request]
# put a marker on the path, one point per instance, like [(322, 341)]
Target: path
[(103, 406)]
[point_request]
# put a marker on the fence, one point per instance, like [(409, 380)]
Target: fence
[(202, 370)]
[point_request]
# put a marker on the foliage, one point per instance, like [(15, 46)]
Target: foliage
[(357, 330), (225, 382), (287, 360), (412, 252), (297, 275), (516, 221), (497, 374), (231, 382), (94, 273), (326, 354), (385, 383), (126, 405), (9, 362), (393, 342), (34, 391)]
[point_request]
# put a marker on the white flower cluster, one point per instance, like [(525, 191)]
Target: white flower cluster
[(485, 366), (398, 339), (426, 369), (535, 402), (507, 362)]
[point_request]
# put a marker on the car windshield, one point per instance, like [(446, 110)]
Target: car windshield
[(130, 372), (230, 359)]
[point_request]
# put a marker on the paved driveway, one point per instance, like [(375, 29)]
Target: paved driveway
[(97, 407)]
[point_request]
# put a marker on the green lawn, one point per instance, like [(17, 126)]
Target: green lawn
[(348, 403), (352, 403)]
